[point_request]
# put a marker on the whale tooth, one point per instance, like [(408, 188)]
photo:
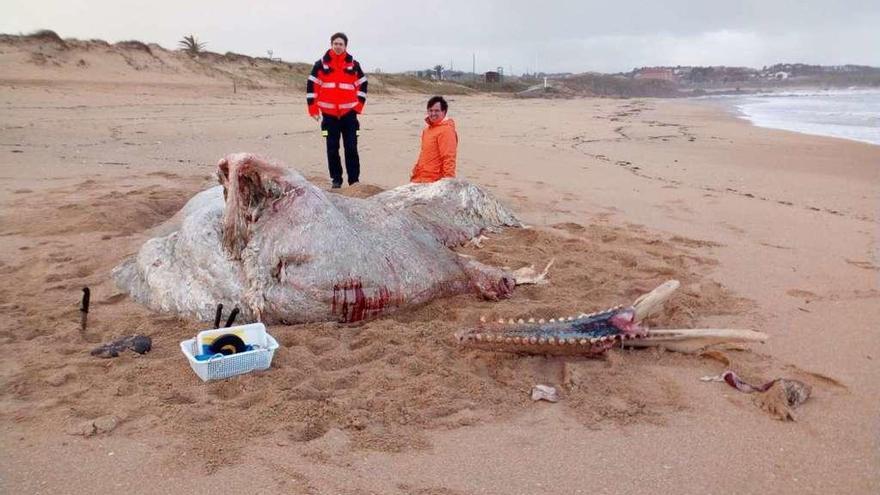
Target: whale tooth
[(551, 341), (583, 342), (542, 340), (533, 340), (572, 341), (520, 321), (541, 320), (510, 321), (552, 320), (500, 320), (508, 340), (531, 320), (483, 319), (570, 318), (517, 340), (594, 340), (478, 337)]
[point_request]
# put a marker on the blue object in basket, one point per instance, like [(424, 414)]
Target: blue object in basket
[(206, 352)]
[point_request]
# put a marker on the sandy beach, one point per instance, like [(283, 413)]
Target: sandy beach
[(767, 230)]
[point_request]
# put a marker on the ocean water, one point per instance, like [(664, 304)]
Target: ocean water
[(847, 114)]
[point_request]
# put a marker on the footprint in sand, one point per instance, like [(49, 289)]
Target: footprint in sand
[(867, 265), (800, 293)]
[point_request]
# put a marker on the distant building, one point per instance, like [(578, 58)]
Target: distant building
[(664, 73), (493, 77)]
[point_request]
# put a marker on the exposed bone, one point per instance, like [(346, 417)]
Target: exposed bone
[(650, 303), (692, 339), (528, 275), (545, 392), (477, 242)]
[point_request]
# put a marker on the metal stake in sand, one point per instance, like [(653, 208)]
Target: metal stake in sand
[(84, 310)]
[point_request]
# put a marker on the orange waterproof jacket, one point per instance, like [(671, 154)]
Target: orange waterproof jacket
[(336, 86), (438, 154)]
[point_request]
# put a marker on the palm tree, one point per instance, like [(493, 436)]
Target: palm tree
[(191, 45)]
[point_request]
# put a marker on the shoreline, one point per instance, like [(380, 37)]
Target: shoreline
[(733, 104), (642, 189)]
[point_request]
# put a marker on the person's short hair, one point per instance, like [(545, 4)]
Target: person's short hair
[(435, 99), (339, 35)]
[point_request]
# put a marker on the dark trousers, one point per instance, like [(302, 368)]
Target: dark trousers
[(346, 126)]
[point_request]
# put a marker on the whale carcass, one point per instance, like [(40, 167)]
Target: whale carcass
[(285, 251)]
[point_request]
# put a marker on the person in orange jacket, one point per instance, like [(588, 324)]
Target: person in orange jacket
[(439, 145), (336, 92)]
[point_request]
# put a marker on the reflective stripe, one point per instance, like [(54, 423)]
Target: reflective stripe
[(316, 80), (346, 86), (362, 94), (361, 80), (324, 104), (329, 85), (324, 133), (326, 67), (310, 95)]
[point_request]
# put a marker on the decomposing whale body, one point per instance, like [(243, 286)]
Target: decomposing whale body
[(284, 251)]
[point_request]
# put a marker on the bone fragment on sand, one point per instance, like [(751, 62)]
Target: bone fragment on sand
[(650, 303)]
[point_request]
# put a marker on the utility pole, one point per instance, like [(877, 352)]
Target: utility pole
[(474, 66)]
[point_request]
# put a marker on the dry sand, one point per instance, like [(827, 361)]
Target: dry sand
[(767, 230)]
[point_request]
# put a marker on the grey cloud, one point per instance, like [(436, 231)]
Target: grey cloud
[(566, 35)]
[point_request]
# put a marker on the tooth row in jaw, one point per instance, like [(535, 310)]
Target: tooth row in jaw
[(501, 339), (541, 321)]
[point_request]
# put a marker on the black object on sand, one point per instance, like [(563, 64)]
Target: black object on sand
[(84, 309), (218, 315), (138, 343), (232, 316)]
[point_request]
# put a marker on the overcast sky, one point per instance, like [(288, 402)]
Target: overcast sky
[(551, 36)]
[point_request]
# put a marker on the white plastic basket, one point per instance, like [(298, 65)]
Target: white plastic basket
[(220, 367)]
